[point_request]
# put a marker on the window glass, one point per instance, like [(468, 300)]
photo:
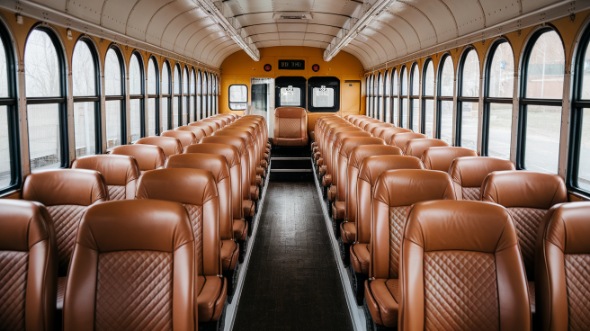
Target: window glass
[(429, 79), (394, 91), (185, 97), (135, 119), (470, 75), (152, 97), (151, 117), (152, 76), (5, 167), (4, 67), (113, 86), (165, 97), (113, 115), (542, 138), (446, 79), (175, 97), (112, 73), (446, 121), (584, 163), (501, 82), (469, 125), (84, 81), (428, 83), (500, 130), (323, 97), (238, 97), (415, 91), (8, 173), (192, 96), (545, 68), (387, 97), (290, 96), (404, 96), (199, 96), (134, 76), (42, 77)]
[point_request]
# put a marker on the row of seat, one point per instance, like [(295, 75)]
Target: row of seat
[(379, 179), (216, 180)]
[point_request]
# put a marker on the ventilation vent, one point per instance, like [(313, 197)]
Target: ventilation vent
[(292, 16)]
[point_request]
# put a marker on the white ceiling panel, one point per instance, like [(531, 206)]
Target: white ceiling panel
[(86, 10), (115, 14)]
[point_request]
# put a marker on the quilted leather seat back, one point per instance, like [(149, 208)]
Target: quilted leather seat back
[(120, 173), (461, 269), (440, 158), (290, 126), (468, 173), (240, 145)]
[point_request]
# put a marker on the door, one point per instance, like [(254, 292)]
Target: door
[(262, 99), (351, 97)]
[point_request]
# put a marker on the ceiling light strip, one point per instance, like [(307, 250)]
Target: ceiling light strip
[(369, 15), (217, 16)]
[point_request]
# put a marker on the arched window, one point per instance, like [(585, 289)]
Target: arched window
[(387, 108), (498, 102), (368, 103), (468, 100), (176, 98), (114, 91), (446, 84), (540, 103), (415, 99), (403, 109), (192, 94), (395, 98), (136, 111), (152, 111), (379, 97), (166, 92), (579, 174), (199, 95), (86, 98), (9, 154), (205, 95), (216, 95), (428, 99), (46, 102), (185, 96)]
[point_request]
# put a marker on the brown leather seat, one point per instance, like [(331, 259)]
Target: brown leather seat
[(208, 128), (133, 268), (401, 139), (199, 132), (417, 147), (218, 167), (468, 173), (120, 173), (395, 191), (248, 205), (290, 126), (232, 156), (148, 157), (186, 137), (389, 134), (326, 165), (257, 129), (440, 158), (379, 130), (561, 268), (170, 146), (460, 269), (527, 196), (66, 193), (334, 154), (197, 191), (28, 276), (370, 168)]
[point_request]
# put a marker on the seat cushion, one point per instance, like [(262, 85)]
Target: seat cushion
[(339, 210), (229, 254), (360, 256), (383, 297), (249, 208), (240, 229), (211, 298), (348, 232)]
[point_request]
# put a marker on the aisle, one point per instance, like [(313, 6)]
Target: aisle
[(292, 281)]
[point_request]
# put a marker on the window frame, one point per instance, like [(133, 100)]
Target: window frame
[(166, 96), (120, 97), (140, 96), (425, 97), (155, 96), (414, 95), (403, 97), (328, 81), (229, 99)]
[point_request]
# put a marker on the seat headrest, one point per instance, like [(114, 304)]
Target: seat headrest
[(214, 163), (190, 186), (416, 147), (65, 187), (373, 166), (440, 158), (460, 225), (237, 142), (140, 225), (197, 131), (169, 145), (231, 153), (186, 137), (525, 189), (290, 112), (348, 144), (359, 153), (116, 169), (568, 227), (208, 128), (401, 139), (388, 134), (471, 171), (341, 135), (148, 157), (405, 187), (22, 224)]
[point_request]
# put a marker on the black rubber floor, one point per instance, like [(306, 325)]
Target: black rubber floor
[(292, 281)]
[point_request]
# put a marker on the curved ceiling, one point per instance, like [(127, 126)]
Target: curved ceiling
[(375, 31)]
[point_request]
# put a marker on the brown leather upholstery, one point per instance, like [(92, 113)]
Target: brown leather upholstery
[(185, 137), (215, 123), (66, 193), (370, 170), (334, 153), (561, 268), (28, 266), (120, 173), (218, 167), (248, 204), (440, 158), (208, 128), (248, 137), (417, 147), (372, 128), (290, 126), (169, 145), (148, 157), (197, 191), (388, 134), (461, 268), (199, 132), (133, 268), (401, 139), (232, 156), (468, 173)]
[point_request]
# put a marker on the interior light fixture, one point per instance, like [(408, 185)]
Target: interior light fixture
[(217, 16), (370, 14)]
